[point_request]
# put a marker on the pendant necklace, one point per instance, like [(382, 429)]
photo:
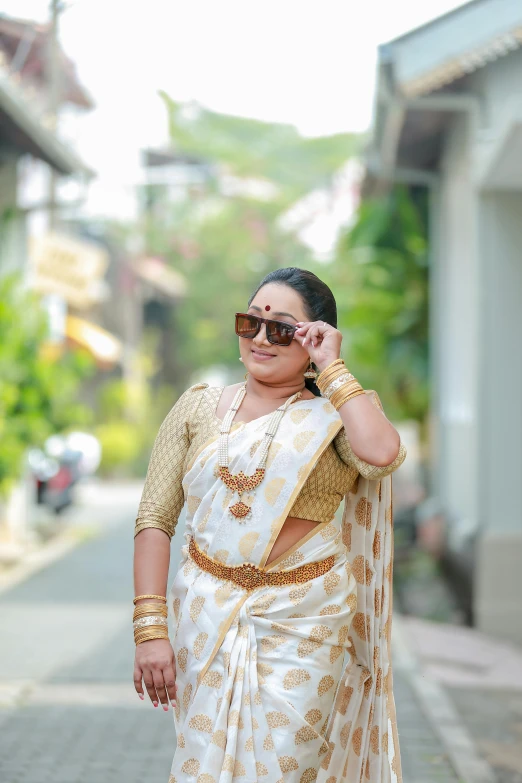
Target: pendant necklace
[(240, 482)]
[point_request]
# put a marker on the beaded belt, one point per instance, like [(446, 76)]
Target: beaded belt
[(250, 577)]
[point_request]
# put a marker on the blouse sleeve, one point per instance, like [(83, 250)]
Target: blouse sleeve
[(162, 499), (348, 456)]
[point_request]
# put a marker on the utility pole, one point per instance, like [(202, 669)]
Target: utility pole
[(53, 75)]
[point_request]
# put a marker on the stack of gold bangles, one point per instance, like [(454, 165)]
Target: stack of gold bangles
[(337, 384), (150, 619)]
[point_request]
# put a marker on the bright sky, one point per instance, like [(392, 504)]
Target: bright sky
[(307, 62)]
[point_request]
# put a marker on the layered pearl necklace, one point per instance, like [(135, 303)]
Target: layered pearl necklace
[(240, 482)]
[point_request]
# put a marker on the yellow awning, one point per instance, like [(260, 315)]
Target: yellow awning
[(103, 345)]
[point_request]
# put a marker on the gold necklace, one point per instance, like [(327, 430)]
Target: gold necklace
[(240, 482)]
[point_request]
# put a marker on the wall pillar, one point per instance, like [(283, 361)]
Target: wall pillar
[(498, 569)]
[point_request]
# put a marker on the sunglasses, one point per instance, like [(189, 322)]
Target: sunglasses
[(277, 332)]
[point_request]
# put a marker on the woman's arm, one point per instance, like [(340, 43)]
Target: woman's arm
[(368, 439), (151, 562), (154, 663), (373, 439), (160, 506)]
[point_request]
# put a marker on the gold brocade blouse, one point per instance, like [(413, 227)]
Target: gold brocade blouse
[(192, 421)]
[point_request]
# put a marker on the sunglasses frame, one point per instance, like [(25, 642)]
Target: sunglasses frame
[(266, 321)]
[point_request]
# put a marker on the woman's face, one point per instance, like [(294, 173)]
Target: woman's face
[(275, 363)]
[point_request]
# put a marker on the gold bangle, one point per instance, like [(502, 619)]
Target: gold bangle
[(336, 383), (333, 367), (333, 378), (145, 622), (339, 401), (150, 630), (156, 607), (161, 618), (150, 610), (346, 390), (141, 597), (346, 385), (140, 638)]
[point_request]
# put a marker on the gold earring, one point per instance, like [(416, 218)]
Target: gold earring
[(310, 372)]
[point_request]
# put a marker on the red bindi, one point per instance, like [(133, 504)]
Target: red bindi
[(267, 307)]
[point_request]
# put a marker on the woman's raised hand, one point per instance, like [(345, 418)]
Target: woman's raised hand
[(155, 667), (322, 341)]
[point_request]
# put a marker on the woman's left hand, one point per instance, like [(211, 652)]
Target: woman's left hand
[(322, 341)]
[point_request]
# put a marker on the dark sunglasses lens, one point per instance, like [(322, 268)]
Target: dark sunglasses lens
[(246, 325), (279, 333)]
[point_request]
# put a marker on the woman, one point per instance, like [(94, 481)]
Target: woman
[(273, 592)]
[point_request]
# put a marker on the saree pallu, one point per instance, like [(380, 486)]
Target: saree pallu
[(290, 683)]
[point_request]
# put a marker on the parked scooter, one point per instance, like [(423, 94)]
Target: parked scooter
[(60, 465)]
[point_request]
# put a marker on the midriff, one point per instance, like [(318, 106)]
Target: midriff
[(294, 528)]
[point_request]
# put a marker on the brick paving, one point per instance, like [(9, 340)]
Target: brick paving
[(483, 677), (423, 757), (494, 719), (68, 711)]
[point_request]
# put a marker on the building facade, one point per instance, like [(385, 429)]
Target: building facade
[(448, 116)]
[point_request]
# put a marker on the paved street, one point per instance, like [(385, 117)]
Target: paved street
[(68, 711)]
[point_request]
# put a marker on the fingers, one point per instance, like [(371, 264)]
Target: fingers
[(137, 682), (311, 331), (159, 684), (156, 667), (169, 677), (148, 679)]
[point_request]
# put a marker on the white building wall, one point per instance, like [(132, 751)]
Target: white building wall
[(499, 86), (478, 332), (457, 332), (499, 552)]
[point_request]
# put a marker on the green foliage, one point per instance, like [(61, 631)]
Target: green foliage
[(252, 148), (381, 283), (224, 246), (237, 247), (128, 414), (37, 395), (120, 446)]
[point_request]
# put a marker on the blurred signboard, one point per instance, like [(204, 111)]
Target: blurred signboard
[(161, 277), (69, 267)]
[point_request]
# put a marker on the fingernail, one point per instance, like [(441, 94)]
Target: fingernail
[(155, 703), (173, 703), (141, 696), (166, 707)]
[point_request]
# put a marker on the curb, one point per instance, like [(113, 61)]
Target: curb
[(440, 712)]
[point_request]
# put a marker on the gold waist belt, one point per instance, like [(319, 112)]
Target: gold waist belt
[(249, 576)]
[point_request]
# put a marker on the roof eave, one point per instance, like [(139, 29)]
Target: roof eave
[(51, 149)]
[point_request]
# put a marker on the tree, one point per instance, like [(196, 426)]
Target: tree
[(224, 245), (381, 279), (252, 148), (37, 395)]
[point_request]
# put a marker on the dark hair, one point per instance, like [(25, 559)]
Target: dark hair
[(319, 302)]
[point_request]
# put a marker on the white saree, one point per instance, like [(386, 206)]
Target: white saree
[(291, 683)]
